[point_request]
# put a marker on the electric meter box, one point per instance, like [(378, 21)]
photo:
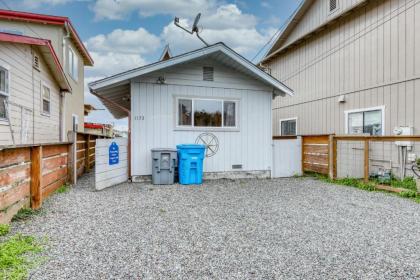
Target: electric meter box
[(401, 131)]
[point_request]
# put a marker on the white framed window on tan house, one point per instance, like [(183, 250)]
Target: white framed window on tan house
[(369, 121), (4, 91), (73, 64), (196, 113), (45, 99), (288, 127)]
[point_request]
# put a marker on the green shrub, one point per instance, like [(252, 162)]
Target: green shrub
[(15, 261), (409, 194), (4, 229), (63, 189), (25, 213), (407, 183)]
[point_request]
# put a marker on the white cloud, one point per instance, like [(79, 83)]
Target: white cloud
[(118, 9), (227, 16), (38, 3), (138, 41), (227, 24)]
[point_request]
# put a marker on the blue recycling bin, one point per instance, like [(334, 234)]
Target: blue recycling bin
[(190, 163)]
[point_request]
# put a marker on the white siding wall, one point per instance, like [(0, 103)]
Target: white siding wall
[(372, 57), (25, 98), (250, 146)]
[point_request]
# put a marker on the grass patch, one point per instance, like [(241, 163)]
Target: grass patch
[(4, 229), (63, 189), (407, 183), (17, 256), (25, 213)]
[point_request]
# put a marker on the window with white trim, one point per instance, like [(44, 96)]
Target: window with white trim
[(365, 121), (196, 112), (73, 64), (288, 127), (46, 100), (4, 92)]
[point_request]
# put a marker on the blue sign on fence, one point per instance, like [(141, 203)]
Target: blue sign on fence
[(114, 154)]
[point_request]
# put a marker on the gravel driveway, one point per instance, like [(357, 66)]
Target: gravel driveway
[(249, 229)]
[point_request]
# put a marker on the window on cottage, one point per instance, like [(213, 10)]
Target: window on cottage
[(46, 100), (184, 112), (365, 122), (73, 64), (288, 127), (4, 92), (206, 112)]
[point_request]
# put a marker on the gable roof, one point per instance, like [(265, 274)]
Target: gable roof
[(117, 85), (53, 20), (47, 52), (294, 20), (166, 54)]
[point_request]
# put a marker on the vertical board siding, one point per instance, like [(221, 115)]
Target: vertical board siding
[(372, 58), (250, 145)]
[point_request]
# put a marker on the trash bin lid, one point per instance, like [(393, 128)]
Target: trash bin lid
[(190, 146), (163, 150)]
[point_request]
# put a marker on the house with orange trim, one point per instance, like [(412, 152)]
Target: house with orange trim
[(42, 61)]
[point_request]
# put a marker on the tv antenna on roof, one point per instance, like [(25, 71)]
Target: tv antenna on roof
[(194, 28)]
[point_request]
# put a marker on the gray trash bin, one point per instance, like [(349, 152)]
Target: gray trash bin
[(164, 161)]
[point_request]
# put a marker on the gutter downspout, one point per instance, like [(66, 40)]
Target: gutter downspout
[(129, 126)]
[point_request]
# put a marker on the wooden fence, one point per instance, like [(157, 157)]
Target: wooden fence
[(319, 152), (31, 173), (316, 153), (366, 144), (85, 151)]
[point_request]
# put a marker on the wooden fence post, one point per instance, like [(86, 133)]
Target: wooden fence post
[(332, 164), (36, 177), (72, 156), (366, 161), (87, 151)]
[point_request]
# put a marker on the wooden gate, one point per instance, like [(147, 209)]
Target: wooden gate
[(315, 154)]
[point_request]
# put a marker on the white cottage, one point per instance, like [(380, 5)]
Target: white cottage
[(212, 96)]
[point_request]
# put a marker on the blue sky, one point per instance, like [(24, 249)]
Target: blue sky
[(123, 34)]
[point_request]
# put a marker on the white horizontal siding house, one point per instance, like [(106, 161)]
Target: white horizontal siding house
[(212, 90)]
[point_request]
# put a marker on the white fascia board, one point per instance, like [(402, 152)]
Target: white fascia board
[(119, 78)]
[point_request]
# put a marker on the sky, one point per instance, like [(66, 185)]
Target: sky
[(124, 34)]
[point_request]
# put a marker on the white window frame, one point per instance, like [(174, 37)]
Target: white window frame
[(381, 108), (288, 119), (70, 64), (6, 93), (47, 114), (207, 128)]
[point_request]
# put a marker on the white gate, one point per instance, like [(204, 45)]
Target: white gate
[(287, 157), (111, 162)]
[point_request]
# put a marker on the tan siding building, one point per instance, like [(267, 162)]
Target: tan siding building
[(355, 69), (31, 94), (65, 42), (367, 57)]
